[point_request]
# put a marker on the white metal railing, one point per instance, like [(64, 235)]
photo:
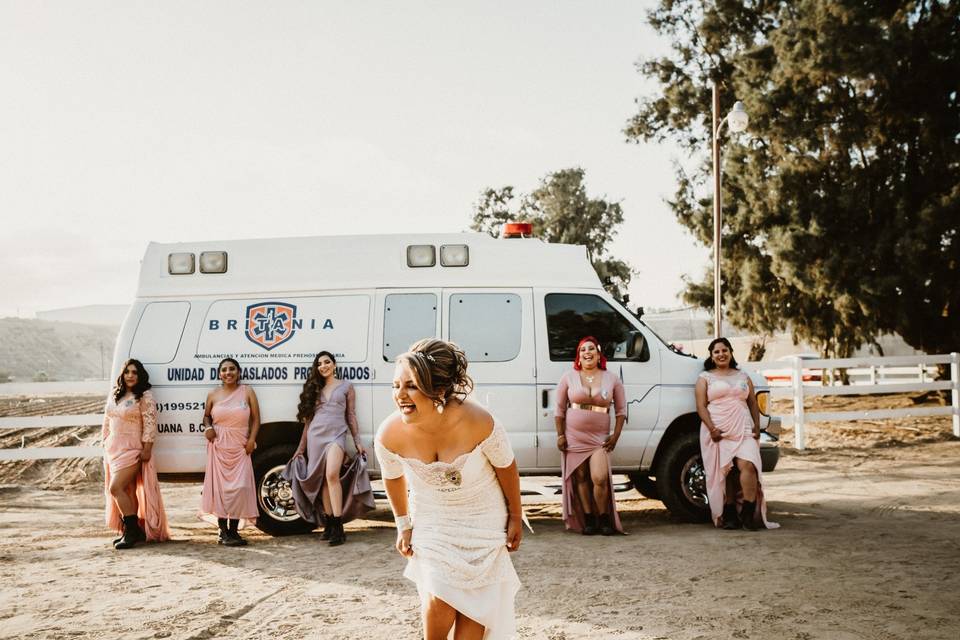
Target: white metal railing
[(44, 422), (877, 371)]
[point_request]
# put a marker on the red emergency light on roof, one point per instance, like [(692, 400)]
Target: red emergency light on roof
[(517, 230)]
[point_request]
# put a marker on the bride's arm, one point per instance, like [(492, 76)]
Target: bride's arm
[(509, 479), (397, 494)]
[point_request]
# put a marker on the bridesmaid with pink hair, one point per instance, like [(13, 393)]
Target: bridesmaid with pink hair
[(231, 421), (729, 435), (585, 396), (133, 503)]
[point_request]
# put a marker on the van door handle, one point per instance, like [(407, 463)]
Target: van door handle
[(545, 398)]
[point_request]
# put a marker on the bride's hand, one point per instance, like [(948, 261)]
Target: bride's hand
[(403, 543), (514, 533)]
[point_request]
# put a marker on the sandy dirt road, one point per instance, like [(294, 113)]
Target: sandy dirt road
[(869, 548)]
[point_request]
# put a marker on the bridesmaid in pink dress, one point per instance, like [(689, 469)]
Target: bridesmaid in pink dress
[(584, 398), (133, 503), (729, 436), (232, 419)]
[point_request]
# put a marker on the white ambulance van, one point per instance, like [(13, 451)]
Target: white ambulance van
[(518, 308)]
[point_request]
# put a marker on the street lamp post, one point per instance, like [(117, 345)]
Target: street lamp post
[(737, 121)]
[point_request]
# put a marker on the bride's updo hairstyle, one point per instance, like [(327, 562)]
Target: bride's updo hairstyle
[(439, 370)]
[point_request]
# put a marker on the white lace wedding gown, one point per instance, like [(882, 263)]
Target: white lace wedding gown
[(459, 537)]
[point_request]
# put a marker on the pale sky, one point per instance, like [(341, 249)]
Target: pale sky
[(126, 122)]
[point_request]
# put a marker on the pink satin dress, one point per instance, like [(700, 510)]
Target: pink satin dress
[(586, 431), (727, 404), (127, 425), (229, 490)]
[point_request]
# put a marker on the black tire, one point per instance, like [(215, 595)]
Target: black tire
[(274, 499), (681, 482), (645, 485)]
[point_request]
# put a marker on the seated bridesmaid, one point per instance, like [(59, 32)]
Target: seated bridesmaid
[(584, 397), (729, 436), (232, 419), (133, 503)]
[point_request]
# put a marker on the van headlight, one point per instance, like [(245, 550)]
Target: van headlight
[(763, 400)]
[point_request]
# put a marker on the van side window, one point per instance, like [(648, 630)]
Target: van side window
[(487, 326), (571, 316), (159, 332), (407, 317)]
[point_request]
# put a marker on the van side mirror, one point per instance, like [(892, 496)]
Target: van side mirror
[(635, 345)]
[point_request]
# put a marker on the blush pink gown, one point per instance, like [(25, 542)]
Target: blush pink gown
[(586, 432), (228, 483), (128, 424), (727, 404)]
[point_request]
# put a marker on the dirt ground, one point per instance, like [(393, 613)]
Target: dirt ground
[(870, 519)]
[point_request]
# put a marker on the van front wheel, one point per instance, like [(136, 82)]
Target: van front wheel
[(278, 517), (681, 480)]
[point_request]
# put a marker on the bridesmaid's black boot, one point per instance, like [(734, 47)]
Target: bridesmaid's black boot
[(730, 519), (233, 536), (589, 524), (327, 527), (132, 533), (606, 525), (749, 516), (337, 535), (223, 532)]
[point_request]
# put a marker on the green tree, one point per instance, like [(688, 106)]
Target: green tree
[(841, 205), (561, 211)]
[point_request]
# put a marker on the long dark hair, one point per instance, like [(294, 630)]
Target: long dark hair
[(709, 364), (312, 389), (143, 381)]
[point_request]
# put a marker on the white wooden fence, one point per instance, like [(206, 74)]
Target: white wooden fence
[(870, 375), (45, 422)]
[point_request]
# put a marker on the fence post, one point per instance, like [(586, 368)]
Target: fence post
[(798, 439), (873, 375), (955, 391)]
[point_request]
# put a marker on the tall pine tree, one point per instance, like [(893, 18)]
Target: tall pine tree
[(841, 205)]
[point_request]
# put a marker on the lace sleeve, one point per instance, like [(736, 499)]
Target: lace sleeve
[(148, 413), (105, 429), (390, 464), (497, 447)]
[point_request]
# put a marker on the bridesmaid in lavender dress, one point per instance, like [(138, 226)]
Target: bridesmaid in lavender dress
[(323, 489), (232, 419), (584, 397)]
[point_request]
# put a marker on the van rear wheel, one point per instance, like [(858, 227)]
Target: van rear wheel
[(681, 479), (278, 516)]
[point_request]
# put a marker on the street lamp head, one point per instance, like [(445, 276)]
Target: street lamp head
[(738, 119)]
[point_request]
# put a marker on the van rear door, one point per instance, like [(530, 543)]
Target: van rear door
[(494, 327), (401, 317)]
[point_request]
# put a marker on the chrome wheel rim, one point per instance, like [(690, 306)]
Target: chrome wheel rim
[(693, 481), (276, 496)]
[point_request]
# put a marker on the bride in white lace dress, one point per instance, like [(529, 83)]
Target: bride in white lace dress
[(463, 513)]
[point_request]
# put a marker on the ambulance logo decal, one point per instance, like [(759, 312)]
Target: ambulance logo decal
[(270, 324)]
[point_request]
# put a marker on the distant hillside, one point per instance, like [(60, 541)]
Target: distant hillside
[(64, 350)]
